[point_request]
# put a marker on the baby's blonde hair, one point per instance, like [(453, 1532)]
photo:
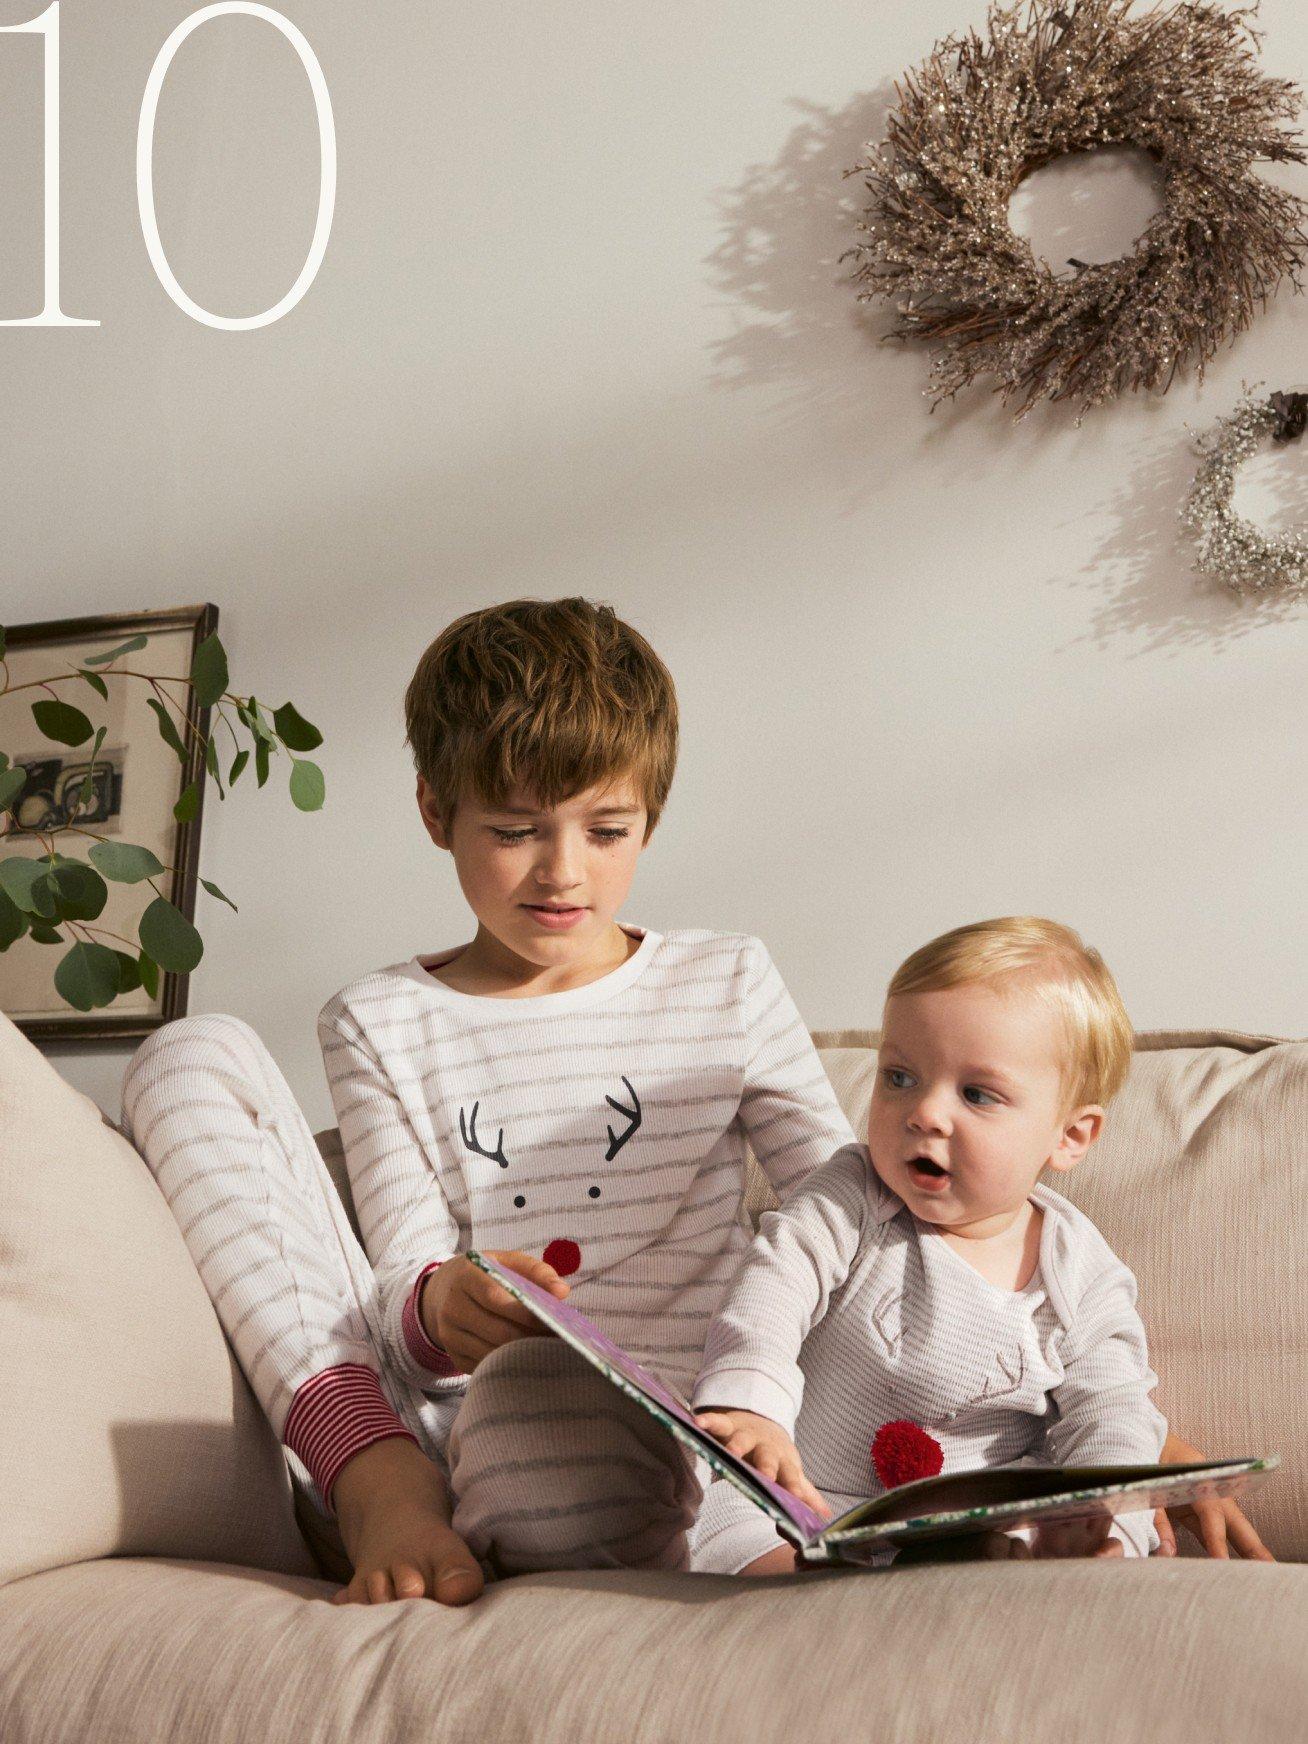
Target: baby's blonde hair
[(1053, 962)]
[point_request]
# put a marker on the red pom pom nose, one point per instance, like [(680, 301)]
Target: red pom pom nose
[(903, 1451), (564, 1256)]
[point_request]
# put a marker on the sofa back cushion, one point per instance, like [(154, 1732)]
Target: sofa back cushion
[(129, 1429)]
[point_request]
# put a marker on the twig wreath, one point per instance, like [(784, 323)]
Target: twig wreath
[(1180, 83), (1231, 547)]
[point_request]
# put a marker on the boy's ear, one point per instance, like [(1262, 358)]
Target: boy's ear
[(1080, 1130), (431, 816)]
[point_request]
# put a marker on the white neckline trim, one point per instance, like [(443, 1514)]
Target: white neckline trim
[(540, 1004)]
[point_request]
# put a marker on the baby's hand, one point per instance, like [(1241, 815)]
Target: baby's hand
[(469, 1315), (1077, 1538), (767, 1448)]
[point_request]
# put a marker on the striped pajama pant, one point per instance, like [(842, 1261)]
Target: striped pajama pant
[(548, 1465)]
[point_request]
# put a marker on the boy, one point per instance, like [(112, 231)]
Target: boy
[(926, 1304), (561, 1082)]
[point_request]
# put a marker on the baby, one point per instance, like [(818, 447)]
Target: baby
[(926, 1304)]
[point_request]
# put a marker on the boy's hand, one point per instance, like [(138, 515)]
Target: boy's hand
[(469, 1315), (768, 1449), (1219, 1526)]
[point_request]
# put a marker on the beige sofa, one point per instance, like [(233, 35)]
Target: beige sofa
[(156, 1585)]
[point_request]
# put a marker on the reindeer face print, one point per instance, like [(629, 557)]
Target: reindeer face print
[(563, 1253)]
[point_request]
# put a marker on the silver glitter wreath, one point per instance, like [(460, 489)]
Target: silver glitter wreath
[(1231, 547), (1180, 83)]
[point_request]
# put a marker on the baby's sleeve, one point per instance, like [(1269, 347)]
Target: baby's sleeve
[(801, 1255), (403, 1216), (788, 1109), (1105, 1413)]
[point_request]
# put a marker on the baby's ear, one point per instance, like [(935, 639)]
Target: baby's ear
[(1080, 1130)]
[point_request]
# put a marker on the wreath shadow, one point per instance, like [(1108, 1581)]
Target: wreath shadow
[(1142, 568), (784, 227)]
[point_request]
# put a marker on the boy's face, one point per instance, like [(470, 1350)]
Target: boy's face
[(968, 1107), (545, 883)]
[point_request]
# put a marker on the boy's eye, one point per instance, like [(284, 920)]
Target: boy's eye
[(511, 837), (973, 1091)]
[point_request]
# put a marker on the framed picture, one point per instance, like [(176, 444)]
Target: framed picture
[(136, 782)]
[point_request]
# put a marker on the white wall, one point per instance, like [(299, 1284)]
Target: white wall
[(581, 329)]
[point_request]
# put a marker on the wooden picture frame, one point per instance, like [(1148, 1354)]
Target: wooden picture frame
[(146, 799)]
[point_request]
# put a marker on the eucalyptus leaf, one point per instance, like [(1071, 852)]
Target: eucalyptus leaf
[(80, 893), (87, 976), (169, 938), (211, 764), (129, 972), (261, 755), (124, 862), (113, 654), (167, 731), (19, 878), (4, 761), (12, 783), (238, 764), (209, 671), (188, 805), (256, 720), (294, 731), (149, 974), (45, 934), (214, 891), (308, 789), (13, 922), (95, 681), (62, 722)]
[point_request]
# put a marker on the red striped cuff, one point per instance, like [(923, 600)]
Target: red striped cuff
[(334, 1415), (427, 1355)]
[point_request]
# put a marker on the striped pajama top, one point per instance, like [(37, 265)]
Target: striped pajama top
[(603, 1127)]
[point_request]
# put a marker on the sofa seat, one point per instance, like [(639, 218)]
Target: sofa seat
[(152, 1649)]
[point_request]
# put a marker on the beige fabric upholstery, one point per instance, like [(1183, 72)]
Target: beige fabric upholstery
[(128, 1429), (962, 1653)]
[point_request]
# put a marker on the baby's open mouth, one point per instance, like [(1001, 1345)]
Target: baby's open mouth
[(925, 1166)]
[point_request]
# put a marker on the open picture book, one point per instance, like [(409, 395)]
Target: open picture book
[(930, 1510)]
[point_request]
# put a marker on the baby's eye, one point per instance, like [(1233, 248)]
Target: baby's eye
[(973, 1091), (893, 1076)]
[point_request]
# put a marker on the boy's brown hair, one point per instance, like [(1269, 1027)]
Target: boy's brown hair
[(549, 696), (1055, 964)]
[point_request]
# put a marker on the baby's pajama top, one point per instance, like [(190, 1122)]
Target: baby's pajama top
[(849, 1313)]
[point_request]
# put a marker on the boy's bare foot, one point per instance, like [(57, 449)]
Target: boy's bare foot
[(394, 1516)]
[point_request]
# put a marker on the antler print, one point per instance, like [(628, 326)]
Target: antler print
[(616, 1140), (468, 1133)]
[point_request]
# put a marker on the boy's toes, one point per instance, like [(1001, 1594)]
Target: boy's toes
[(457, 1578), (409, 1584)]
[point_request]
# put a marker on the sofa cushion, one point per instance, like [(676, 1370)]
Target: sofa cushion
[(1200, 1183), (987, 1653), (129, 1428)]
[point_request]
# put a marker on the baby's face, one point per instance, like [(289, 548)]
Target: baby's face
[(968, 1105)]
